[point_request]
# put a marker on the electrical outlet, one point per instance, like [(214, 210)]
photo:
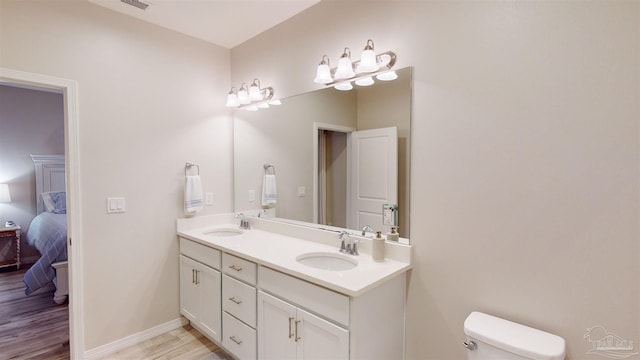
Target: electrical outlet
[(208, 198)]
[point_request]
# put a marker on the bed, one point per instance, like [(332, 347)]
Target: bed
[(48, 230)]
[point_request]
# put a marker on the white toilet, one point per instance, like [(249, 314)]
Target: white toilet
[(492, 338)]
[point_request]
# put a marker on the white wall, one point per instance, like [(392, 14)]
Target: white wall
[(149, 101), (525, 155), (31, 122)]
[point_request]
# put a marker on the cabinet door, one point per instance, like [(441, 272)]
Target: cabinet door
[(209, 282), (189, 297), (276, 328), (320, 339)]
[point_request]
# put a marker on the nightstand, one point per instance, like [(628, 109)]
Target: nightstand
[(8, 234)]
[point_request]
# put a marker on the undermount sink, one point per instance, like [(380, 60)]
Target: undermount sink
[(222, 232), (327, 261)]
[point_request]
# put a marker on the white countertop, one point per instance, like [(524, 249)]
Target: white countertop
[(279, 251)]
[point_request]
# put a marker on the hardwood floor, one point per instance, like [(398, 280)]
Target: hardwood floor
[(184, 343), (35, 327), (31, 327)]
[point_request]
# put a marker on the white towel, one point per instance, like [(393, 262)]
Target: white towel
[(269, 194), (192, 194)]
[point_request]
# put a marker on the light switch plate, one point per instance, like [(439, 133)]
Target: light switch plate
[(252, 195), (302, 191), (116, 205)]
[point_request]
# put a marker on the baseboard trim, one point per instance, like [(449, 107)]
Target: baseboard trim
[(112, 347)]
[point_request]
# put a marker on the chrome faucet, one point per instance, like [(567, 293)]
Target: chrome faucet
[(365, 228), (348, 244), (244, 223)]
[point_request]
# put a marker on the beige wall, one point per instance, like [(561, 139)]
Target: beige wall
[(31, 122), (525, 167), (149, 100)]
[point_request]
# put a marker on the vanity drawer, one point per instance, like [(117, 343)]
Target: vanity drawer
[(325, 302), (239, 268), (238, 338), (239, 300), (204, 254)]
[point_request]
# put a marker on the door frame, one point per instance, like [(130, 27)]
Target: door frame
[(69, 89), (317, 126)]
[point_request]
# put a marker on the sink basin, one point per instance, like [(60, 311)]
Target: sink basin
[(223, 232), (327, 261)]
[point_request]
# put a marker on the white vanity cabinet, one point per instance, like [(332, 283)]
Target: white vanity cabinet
[(288, 332), (239, 306), (256, 312), (200, 285)]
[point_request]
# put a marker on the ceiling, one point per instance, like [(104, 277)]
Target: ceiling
[(226, 23)]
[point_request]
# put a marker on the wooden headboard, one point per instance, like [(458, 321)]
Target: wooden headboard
[(50, 176)]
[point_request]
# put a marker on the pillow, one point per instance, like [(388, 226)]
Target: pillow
[(55, 202)]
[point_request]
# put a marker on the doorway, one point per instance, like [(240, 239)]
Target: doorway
[(332, 178), (70, 98)]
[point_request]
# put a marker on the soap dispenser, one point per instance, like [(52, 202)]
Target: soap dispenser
[(377, 247), (393, 235)]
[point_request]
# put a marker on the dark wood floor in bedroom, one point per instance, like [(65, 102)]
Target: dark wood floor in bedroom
[(31, 327)]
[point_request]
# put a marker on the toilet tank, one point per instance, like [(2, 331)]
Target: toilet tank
[(500, 339)]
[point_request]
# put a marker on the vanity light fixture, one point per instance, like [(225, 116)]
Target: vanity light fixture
[(345, 66), (366, 68), (368, 61), (251, 98), (323, 73)]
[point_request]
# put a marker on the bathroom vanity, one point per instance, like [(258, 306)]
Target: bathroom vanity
[(282, 291)]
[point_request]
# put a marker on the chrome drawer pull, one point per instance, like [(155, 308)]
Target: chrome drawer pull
[(297, 337), (236, 268), (233, 338), (290, 333), (238, 302)]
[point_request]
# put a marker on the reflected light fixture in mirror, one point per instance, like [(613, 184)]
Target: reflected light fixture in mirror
[(368, 66), (253, 98)]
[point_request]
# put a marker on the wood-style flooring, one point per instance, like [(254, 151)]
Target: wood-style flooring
[(184, 343), (35, 327), (31, 327)]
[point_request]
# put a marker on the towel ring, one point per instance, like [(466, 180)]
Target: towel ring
[(188, 166), (269, 166)]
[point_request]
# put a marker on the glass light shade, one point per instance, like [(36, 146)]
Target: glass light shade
[(251, 108), (254, 93), (344, 86), (232, 100), (345, 69), (275, 102), (243, 96), (387, 76), (323, 74), (5, 195), (368, 62), (365, 81)]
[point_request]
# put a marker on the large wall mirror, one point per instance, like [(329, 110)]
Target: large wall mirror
[(310, 141)]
